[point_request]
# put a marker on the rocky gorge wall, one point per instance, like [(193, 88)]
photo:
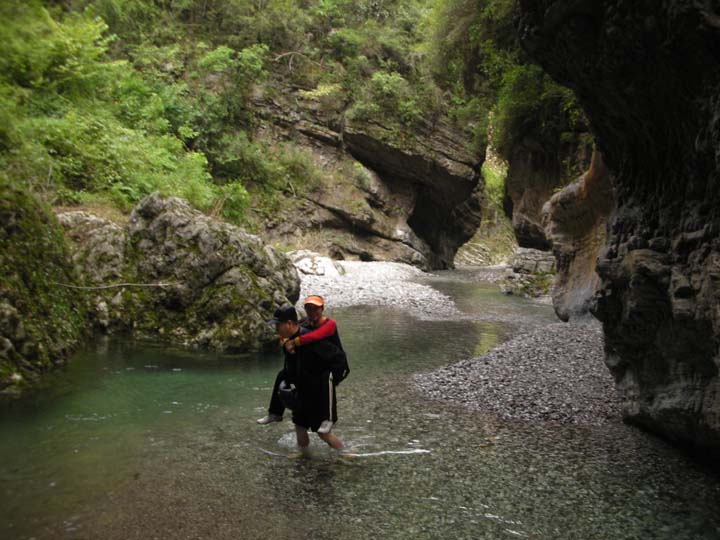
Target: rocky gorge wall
[(647, 75), (533, 176), (171, 273), (412, 197), (576, 221)]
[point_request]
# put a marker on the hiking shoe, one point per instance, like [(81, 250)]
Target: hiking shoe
[(269, 419), (325, 427)]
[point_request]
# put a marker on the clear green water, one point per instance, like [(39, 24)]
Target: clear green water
[(138, 440)]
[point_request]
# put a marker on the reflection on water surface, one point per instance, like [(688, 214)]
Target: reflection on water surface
[(138, 440)]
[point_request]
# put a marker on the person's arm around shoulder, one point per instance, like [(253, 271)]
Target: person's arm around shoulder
[(326, 329)]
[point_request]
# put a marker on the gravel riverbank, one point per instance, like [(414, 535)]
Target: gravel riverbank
[(554, 373), (378, 284)]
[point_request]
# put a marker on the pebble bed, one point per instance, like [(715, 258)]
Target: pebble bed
[(379, 284), (555, 373)]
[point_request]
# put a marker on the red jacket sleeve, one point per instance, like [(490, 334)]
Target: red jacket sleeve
[(325, 330)]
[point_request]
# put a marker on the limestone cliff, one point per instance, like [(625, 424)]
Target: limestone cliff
[(648, 77), (190, 279), (400, 196)]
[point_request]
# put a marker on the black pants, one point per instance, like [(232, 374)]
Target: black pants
[(276, 404), (324, 393)]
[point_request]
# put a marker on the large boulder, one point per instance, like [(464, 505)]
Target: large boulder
[(648, 77), (42, 313), (178, 274)]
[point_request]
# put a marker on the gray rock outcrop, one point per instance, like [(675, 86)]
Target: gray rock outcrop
[(530, 274), (648, 77), (413, 199), (190, 279)]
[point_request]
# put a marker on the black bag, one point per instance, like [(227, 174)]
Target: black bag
[(288, 394), (340, 368)]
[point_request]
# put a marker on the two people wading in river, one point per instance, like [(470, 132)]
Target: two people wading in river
[(315, 363)]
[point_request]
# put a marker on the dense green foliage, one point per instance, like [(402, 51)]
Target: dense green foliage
[(475, 54), (114, 99)]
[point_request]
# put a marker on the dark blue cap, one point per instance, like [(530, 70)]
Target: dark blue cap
[(283, 314)]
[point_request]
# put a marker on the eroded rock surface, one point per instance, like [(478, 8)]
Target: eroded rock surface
[(412, 199), (189, 278), (648, 77), (576, 223), (532, 178)]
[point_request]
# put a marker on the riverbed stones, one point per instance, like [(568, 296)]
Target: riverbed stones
[(555, 373), (376, 283)]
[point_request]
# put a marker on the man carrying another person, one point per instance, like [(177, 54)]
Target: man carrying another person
[(314, 362)]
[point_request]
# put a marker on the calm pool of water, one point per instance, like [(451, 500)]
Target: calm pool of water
[(140, 440)]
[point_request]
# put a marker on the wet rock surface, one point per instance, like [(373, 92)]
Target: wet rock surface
[(555, 373)]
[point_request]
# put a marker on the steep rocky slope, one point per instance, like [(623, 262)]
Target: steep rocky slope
[(647, 75), (410, 196)]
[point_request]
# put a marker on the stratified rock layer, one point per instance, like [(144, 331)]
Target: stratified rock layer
[(647, 75), (411, 196), (188, 278)]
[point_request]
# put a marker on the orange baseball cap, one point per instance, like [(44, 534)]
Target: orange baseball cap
[(315, 301)]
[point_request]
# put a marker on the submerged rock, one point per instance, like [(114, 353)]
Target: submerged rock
[(648, 77), (188, 278)]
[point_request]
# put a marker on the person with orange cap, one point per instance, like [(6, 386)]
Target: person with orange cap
[(304, 379), (324, 328)]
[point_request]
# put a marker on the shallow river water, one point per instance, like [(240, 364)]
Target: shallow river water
[(140, 440)]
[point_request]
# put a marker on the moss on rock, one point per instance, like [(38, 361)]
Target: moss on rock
[(41, 317)]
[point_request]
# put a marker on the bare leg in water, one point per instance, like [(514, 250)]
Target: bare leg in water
[(303, 440), (331, 440)]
